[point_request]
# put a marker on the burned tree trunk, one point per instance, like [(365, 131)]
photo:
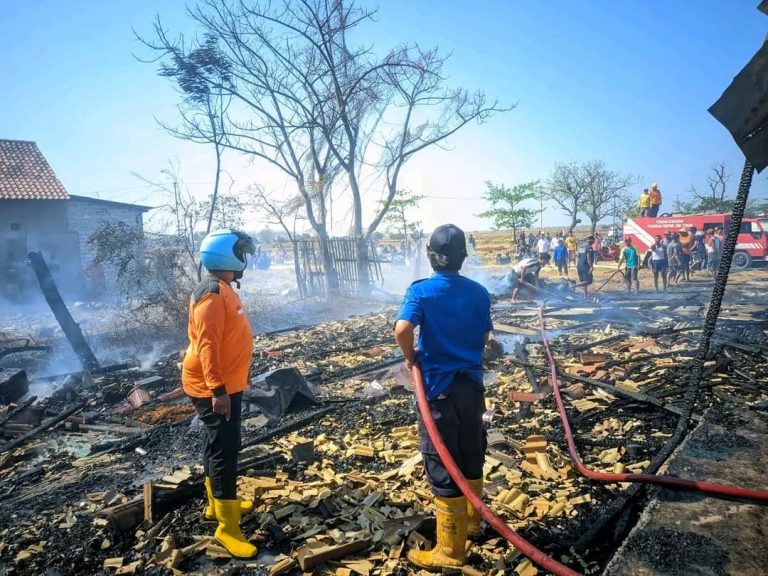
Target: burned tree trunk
[(68, 325), (331, 276)]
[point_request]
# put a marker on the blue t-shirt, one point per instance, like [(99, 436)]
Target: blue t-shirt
[(454, 314), (561, 253)]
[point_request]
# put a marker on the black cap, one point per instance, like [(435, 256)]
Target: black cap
[(449, 241)]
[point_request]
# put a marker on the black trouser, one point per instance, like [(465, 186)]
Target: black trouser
[(222, 445), (458, 414)]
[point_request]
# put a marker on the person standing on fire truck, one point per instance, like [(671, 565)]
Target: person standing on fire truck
[(215, 373), (644, 204), (655, 195), (454, 318)]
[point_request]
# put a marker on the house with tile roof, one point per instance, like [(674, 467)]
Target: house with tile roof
[(38, 214)]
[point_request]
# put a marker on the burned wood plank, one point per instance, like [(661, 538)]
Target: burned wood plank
[(13, 386), (522, 355), (61, 312), (16, 442), (19, 349), (148, 497), (20, 408), (310, 557), (639, 397)]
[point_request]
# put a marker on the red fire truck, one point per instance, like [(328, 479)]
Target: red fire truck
[(751, 245)]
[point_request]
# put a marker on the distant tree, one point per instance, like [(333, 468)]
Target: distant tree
[(399, 213), (180, 214), (566, 187), (266, 235), (203, 107), (712, 198), (227, 212), (285, 212), (628, 208), (606, 191), (506, 209), (756, 207)]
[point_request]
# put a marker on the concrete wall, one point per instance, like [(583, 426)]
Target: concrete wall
[(60, 229), (42, 226), (86, 217)]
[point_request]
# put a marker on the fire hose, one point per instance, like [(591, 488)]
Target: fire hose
[(696, 372), (493, 519), (671, 481), (617, 271)]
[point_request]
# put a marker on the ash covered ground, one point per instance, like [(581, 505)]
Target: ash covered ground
[(68, 496)]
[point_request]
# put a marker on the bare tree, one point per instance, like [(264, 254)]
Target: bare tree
[(306, 103), (203, 106), (428, 114), (284, 212), (566, 188), (181, 209), (713, 199), (605, 190)]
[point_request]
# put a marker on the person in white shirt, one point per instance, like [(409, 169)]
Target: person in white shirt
[(527, 270), (542, 246), (714, 249), (659, 263)]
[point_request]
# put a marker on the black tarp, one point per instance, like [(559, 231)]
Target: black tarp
[(743, 109), (275, 393)]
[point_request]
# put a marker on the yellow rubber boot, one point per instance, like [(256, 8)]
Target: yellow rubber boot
[(473, 515), (209, 512), (451, 532), (228, 533)]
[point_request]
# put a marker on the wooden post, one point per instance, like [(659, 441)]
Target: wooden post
[(148, 513), (68, 325)]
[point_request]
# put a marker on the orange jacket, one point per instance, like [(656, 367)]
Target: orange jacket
[(218, 358), (655, 197)]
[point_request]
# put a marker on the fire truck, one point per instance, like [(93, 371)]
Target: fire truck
[(751, 244)]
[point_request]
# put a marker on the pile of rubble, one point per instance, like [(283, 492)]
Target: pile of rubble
[(105, 478)]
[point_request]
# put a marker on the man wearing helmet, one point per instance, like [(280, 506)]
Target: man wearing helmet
[(215, 373), (454, 318)]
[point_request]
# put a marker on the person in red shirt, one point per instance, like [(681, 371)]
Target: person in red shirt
[(215, 373)]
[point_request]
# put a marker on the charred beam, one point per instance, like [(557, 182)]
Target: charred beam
[(16, 442), (20, 408), (61, 312)]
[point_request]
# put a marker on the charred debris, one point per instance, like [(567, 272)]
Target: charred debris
[(100, 475)]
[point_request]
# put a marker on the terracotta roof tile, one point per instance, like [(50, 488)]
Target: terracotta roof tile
[(26, 175)]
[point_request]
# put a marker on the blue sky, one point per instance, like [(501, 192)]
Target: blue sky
[(626, 82)]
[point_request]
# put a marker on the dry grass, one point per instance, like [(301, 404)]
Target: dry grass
[(491, 243)]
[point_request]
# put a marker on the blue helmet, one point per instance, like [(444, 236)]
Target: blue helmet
[(226, 250)]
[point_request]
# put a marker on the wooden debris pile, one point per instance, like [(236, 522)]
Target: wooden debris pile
[(330, 350)]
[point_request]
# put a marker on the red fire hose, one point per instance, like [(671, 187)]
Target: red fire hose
[(528, 549), (707, 487)]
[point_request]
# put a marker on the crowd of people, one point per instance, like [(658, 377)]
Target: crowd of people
[(398, 255), (676, 256), (562, 249), (672, 259)]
